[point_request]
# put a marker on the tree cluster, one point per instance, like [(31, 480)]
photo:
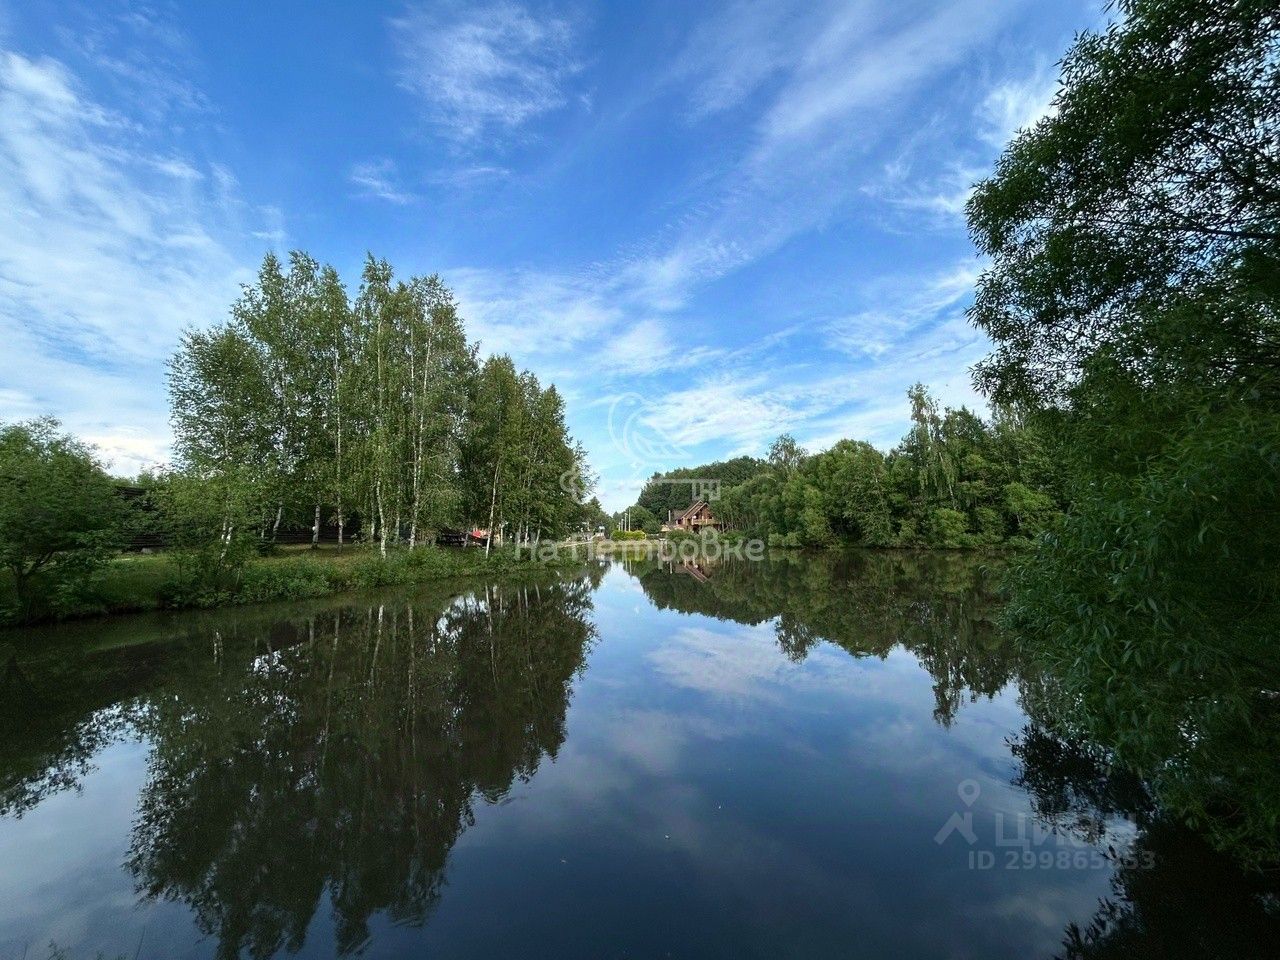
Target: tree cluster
[(955, 480), (60, 516), (372, 415), (1133, 297)]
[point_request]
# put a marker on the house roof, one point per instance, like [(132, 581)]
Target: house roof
[(697, 505)]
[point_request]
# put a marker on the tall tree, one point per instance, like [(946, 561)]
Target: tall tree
[(1134, 301), (223, 423)]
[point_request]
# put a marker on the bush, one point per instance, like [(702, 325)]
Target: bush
[(629, 535), (1151, 614), (296, 579), (948, 528), (990, 526), (60, 517)]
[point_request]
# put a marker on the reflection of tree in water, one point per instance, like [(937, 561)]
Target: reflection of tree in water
[(60, 705), (346, 764), (867, 603), (1072, 786), (1173, 895), (337, 755)]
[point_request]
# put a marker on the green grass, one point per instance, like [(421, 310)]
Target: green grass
[(140, 582)]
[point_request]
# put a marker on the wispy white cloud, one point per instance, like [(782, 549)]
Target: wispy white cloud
[(379, 179), (929, 182), (865, 61), (146, 57), (831, 82), (107, 249), (908, 331), (900, 307), (470, 176), (729, 57), (531, 313), (934, 200), (484, 69), (1017, 104)]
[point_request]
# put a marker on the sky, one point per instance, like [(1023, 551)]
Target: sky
[(707, 223)]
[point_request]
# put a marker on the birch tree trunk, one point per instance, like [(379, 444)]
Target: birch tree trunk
[(493, 502), (382, 519)]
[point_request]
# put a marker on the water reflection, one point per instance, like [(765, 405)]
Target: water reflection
[(310, 779), (940, 608), (1171, 895), (334, 756)]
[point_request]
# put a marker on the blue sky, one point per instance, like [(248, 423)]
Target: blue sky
[(708, 223)]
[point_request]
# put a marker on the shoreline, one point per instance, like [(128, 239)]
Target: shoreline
[(150, 583)]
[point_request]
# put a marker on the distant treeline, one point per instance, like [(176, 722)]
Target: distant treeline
[(955, 480)]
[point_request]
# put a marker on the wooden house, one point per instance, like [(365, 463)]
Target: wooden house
[(694, 520)]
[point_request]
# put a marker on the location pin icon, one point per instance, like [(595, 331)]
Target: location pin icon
[(968, 791)]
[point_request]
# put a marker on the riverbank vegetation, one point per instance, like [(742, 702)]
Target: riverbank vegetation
[(367, 420), (375, 411), (1133, 297), (133, 583), (955, 480)]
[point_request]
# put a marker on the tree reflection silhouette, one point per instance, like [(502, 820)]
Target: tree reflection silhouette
[(346, 765), (1173, 896), (867, 603)]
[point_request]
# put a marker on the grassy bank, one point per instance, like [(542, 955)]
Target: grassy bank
[(139, 583)]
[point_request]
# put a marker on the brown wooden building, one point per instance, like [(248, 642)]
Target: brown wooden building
[(697, 518)]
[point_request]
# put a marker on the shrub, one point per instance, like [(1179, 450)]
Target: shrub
[(990, 525), (295, 579), (59, 518), (948, 528)]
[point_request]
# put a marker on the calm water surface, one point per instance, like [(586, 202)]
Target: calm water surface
[(831, 756)]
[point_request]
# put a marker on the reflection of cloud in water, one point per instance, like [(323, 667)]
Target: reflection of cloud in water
[(654, 739), (746, 663), (739, 664)]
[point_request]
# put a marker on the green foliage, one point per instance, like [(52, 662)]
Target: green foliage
[(661, 497), (1154, 608), (170, 580), (1134, 302), (306, 406), (637, 518), (628, 535), (948, 528), (212, 526), (1032, 511), (297, 578), (60, 518), (954, 481)]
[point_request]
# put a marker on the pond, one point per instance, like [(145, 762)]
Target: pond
[(811, 756)]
